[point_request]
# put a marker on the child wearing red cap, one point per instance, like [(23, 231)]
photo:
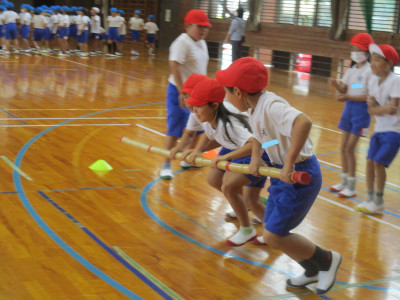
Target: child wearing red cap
[(231, 131), (353, 90), (383, 103), (188, 54), (271, 117)]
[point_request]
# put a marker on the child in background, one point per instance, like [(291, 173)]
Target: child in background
[(39, 24), (47, 31), (113, 24), (25, 20), (151, 33), (122, 33), (95, 25), (53, 29), (353, 89), (63, 27), (136, 26), (83, 22), (10, 19), (271, 117), (383, 103), (73, 30)]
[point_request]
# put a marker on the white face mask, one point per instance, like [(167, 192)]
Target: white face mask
[(358, 56)]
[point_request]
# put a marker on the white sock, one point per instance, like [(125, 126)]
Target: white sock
[(243, 235), (351, 183), (344, 176)]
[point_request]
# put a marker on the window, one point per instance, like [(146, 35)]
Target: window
[(304, 12), (224, 9)]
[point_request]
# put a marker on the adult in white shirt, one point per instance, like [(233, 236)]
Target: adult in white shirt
[(136, 24), (188, 54), (25, 20), (235, 34), (95, 25), (10, 19)]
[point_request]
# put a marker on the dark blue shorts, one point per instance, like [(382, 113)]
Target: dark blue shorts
[(103, 37), (135, 35), (383, 147), (47, 33), (151, 38), (84, 37), (258, 182), (73, 30), (355, 118), (121, 38), (38, 34), (64, 33), (95, 36), (1, 31), (113, 34), (288, 204), (176, 116), (10, 31), (24, 31)]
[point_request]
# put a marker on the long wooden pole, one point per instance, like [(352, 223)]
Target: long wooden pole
[(298, 177)]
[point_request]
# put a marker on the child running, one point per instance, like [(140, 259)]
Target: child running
[(271, 117), (231, 131), (384, 105), (353, 89)]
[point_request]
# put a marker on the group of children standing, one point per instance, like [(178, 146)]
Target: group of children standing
[(67, 30), (369, 89)]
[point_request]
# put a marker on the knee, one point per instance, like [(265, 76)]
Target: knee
[(272, 239), (229, 188), (215, 185), (370, 163)]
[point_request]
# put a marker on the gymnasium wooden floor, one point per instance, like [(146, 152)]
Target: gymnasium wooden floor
[(68, 232)]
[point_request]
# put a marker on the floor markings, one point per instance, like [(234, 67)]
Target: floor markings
[(12, 115), (12, 165), (151, 130), (67, 125), (104, 118)]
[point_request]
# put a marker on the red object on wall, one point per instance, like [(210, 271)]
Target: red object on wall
[(303, 62)]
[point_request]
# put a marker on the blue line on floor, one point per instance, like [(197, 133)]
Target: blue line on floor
[(12, 115)]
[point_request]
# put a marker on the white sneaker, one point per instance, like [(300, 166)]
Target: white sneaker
[(369, 208), (337, 187), (133, 52), (326, 279), (259, 241), (16, 51), (239, 238), (185, 165), (301, 281), (118, 53), (347, 193), (137, 53), (166, 174), (6, 52)]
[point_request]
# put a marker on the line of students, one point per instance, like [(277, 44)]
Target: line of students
[(69, 28)]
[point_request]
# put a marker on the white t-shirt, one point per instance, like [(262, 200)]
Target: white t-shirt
[(95, 24), (194, 124), (123, 29), (273, 119), (357, 79), (10, 16), (63, 20), (114, 21), (39, 21), (83, 22), (54, 21), (25, 18), (136, 23), (72, 20), (383, 94), (150, 27), (191, 55)]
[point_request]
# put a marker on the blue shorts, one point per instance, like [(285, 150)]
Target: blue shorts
[(113, 34), (102, 37), (121, 38), (176, 116), (288, 204), (135, 35), (151, 38), (46, 34), (383, 147), (64, 32), (24, 31), (258, 182), (10, 31), (355, 118), (38, 34), (1, 31), (84, 37), (73, 30), (95, 36)]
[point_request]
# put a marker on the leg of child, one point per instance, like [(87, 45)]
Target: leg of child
[(214, 178), (370, 179), (380, 183), (251, 197), (350, 163), (343, 146)]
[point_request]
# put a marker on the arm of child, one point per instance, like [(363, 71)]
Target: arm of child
[(176, 72), (346, 97), (300, 131), (375, 109), (187, 138), (191, 154), (256, 160), (340, 86), (244, 151)]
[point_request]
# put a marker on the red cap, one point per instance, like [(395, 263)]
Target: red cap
[(206, 91), (197, 16), (247, 73), (362, 41), (191, 82), (386, 51)]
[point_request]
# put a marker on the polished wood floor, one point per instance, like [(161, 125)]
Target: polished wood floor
[(67, 232)]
